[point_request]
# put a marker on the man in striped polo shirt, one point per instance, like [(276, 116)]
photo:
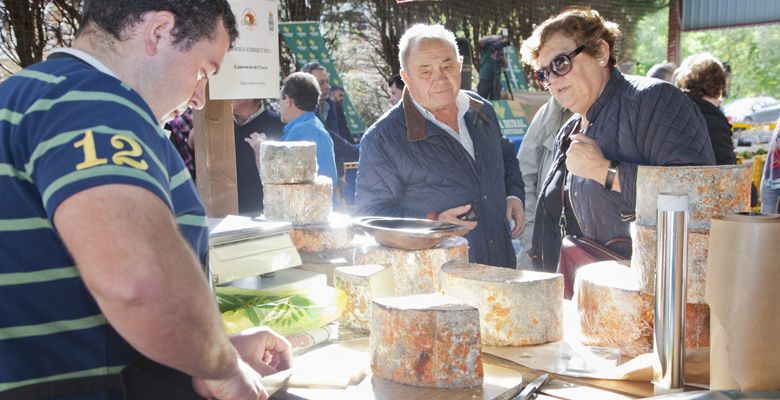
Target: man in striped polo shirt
[(102, 234)]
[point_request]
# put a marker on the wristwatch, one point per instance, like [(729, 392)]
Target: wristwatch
[(611, 173)]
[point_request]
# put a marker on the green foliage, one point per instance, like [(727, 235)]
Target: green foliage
[(286, 314), (752, 51), (650, 42)]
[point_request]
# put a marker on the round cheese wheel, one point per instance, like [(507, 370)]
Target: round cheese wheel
[(614, 312), (336, 234), (288, 162), (712, 191), (301, 203), (643, 260), (362, 284), (426, 340), (415, 271), (516, 307)]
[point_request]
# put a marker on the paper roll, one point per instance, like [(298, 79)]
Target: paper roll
[(743, 287)]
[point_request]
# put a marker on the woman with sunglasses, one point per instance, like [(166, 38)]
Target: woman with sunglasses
[(619, 123)]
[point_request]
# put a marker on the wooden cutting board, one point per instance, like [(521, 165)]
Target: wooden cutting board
[(339, 363)]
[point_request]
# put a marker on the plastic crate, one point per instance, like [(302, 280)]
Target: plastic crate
[(758, 169)]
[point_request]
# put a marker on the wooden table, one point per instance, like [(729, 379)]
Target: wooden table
[(558, 387), (566, 387)]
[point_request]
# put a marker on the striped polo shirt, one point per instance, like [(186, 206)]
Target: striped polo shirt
[(67, 126)]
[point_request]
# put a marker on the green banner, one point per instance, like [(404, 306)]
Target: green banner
[(514, 71), (308, 45), (510, 117)]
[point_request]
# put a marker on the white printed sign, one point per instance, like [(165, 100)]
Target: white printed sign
[(251, 69)]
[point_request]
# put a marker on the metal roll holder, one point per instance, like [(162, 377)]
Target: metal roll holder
[(670, 293)]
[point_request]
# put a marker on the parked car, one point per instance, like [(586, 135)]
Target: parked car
[(753, 109)]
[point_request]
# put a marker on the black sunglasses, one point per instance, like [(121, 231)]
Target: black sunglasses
[(560, 66)]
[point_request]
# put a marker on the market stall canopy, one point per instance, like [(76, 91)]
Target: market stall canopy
[(712, 14)]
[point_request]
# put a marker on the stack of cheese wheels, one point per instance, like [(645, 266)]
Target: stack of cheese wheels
[(712, 191), (516, 307), (426, 340), (326, 268), (341, 256), (326, 261), (415, 271), (292, 191), (362, 284), (337, 234), (316, 242), (299, 203), (613, 311), (643, 261), (288, 162)]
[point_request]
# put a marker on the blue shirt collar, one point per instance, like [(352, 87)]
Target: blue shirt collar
[(302, 118)]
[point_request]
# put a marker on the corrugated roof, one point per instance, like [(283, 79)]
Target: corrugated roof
[(710, 14)]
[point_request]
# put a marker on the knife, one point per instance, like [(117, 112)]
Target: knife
[(532, 388)]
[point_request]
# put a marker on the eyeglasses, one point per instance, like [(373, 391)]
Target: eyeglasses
[(560, 66)]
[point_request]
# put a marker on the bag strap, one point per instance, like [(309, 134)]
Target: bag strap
[(565, 143), (617, 240), (562, 222)]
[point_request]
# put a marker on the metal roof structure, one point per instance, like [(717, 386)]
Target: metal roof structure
[(713, 14)]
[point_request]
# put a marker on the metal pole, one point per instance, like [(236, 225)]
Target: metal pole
[(670, 292)]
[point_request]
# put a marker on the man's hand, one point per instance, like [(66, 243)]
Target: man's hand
[(515, 211), (452, 214), (243, 385), (263, 352), (255, 140), (263, 349), (586, 160)]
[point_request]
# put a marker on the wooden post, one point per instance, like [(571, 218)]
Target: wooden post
[(215, 157), (674, 45)]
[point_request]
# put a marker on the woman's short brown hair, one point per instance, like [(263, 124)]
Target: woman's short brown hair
[(701, 75), (583, 24)]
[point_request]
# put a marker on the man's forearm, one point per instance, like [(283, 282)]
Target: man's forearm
[(145, 278)]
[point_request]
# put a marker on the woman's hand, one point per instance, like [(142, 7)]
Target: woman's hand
[(585, 159)]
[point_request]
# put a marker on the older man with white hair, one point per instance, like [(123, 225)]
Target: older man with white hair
[(439, 153)]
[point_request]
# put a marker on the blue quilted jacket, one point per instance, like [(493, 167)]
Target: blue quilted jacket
[(636, 121), (410, 167)]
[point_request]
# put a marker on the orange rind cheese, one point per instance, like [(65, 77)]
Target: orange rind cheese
[(712, 191), (362, 284), (426, 340), (643, 261), (336, 234), (516, 307), (613, 312), (415, 271)]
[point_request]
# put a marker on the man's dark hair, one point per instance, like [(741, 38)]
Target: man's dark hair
[(195, 19), (662, 71), (336, 88), (308, 67), (397, 81), (303, 89)]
